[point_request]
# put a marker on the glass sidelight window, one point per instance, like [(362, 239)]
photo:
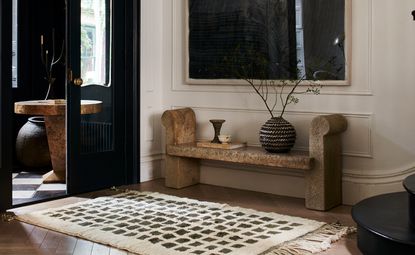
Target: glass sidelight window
[(96, 42), (97, 129)]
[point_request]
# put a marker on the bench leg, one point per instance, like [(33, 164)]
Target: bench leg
[(324, 181), (181, 172)]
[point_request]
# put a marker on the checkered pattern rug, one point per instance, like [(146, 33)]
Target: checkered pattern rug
[(153, 224), (28, 187)]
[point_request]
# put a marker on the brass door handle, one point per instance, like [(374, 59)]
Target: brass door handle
[(78, 81)]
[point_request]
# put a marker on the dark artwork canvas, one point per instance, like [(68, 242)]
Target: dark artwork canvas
[(262, 34)]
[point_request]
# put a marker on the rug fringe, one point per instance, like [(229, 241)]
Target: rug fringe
[(7, 216), (317, 241), (113, 188)]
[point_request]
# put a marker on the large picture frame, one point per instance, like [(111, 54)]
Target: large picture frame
[(206, 79)]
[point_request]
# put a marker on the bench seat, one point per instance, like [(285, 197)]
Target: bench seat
[(248, 155)]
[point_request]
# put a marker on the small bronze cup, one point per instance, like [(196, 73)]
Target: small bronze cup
[(217, 125)]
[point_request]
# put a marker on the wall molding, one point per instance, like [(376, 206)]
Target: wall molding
[(385, 178), (151, 167), (246, 89), (152, 157), (149, 129), (370, 45), (292, 112), (379, 177), (356, 186), (274, 181)]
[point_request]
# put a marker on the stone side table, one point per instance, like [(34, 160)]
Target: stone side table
[(54, 113)]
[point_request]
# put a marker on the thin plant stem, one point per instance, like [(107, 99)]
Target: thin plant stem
[(261, 96), (297, 82), (49, 65)]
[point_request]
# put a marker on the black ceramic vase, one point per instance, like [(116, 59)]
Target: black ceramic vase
[(277, 135), (32, 148)]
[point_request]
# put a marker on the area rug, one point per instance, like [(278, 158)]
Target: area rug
[(149, 223)]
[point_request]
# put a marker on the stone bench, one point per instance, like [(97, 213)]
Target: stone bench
[(322, 164)]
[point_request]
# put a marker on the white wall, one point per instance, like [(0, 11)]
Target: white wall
[(379, 145), (151, 87)]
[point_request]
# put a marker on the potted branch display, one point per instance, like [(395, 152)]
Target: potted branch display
[(32, 148), (277, 135)]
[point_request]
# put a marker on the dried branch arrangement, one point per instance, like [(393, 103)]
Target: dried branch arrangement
[(49, 60), (272, 92)]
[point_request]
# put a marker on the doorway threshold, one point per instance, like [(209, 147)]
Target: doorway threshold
[(28, 187)]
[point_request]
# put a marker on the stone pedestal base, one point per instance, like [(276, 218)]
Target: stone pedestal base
[(55, 129), (52, 177)]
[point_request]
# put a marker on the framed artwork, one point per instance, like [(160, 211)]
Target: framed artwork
[(276, 39)]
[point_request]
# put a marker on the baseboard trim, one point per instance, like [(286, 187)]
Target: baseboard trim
[(151, 167), (287, 182)]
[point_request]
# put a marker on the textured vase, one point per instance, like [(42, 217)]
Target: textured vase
[(277, 135), (32, 148)]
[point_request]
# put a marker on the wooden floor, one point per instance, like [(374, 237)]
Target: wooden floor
[(20, 238)]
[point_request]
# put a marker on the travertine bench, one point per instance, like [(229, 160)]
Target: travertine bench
[(322, 164)]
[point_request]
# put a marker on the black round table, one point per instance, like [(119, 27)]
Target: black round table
[(409, 184), (384, 225)]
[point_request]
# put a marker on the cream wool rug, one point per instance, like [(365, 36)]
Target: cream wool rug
[(149, 223)]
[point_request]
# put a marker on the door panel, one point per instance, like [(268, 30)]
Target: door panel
[(96, 136), (5, 105), (73, 93)]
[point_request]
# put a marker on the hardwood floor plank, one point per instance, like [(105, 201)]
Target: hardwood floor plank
[(14, 239), (67, 245), (7, 228), (46, 251), (4, 242), (24, 231), (18, 250), (52, 240), (37, 236), (83, 247), (26, 227), (99, 249)]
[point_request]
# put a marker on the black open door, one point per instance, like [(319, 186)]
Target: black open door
[(100, 117), (5, 105)]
